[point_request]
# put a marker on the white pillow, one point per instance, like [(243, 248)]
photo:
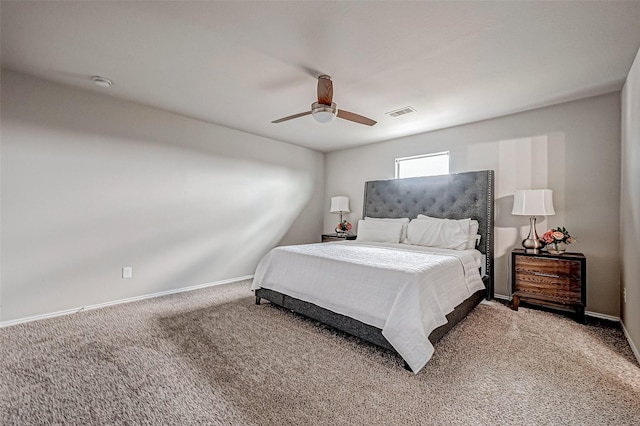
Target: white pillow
[(473, 229), (403, 220), (377, 231), (443, 233), (473, 233)]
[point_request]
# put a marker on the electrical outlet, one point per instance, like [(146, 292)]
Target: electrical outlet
[(624, 294), (127, 272)]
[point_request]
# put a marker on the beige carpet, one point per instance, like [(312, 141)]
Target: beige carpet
[(213, 357)]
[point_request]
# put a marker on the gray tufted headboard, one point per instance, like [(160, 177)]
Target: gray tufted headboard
[(453, 196)]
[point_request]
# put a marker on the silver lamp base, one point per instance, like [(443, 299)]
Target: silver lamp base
[(532, 244)]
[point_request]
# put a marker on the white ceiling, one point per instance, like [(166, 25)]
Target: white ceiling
[(244, 64)]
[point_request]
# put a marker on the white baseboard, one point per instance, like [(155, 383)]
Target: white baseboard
[(117, 302), (634, 349), (602, 316)]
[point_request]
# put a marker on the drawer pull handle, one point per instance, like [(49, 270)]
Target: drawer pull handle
[(546, 275)]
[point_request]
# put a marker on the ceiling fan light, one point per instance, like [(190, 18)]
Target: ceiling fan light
[(324, 113), (324, 117)]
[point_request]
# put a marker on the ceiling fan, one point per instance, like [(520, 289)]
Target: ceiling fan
[(325, 110)]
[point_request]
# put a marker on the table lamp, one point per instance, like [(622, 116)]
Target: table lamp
[(532, 203), (340, 205)]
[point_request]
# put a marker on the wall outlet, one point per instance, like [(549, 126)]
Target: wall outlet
[(127, 272), (624, 294)]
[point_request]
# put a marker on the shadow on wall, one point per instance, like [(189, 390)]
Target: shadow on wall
[(505, 220), (520, 163), (91, 184), (180, 218)]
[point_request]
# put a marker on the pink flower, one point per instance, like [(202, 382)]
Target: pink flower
[(548, 237), (343, 226), (558, 235)]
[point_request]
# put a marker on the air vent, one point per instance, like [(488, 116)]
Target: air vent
[(401, 111)]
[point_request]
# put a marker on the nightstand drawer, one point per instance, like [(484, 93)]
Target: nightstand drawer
[(552, 268), (561, 287)]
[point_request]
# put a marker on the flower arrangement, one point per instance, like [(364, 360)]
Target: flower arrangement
[(343, 227), (555, 238), (558, 235)]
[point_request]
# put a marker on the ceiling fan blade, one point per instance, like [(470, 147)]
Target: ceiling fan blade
[(325, 90), (356, 118), (291, 117)]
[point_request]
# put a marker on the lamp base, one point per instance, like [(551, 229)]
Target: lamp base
[(532, 244)]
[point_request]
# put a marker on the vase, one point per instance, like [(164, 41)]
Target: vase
[(556, 248)]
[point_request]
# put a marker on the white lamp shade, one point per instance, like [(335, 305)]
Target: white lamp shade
[(533, 202), (339, 204)]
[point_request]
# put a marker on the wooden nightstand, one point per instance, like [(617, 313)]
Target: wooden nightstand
[(556, 281), (335, 237)]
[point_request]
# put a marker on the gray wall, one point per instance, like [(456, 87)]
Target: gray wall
[(571, 148), (91, 184), (630, 204)]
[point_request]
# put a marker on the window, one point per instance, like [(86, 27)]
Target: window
[(423, 165)]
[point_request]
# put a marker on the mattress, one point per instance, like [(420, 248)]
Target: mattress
[(404, 290)]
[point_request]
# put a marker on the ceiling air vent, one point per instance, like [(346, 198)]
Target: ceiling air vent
[(401, 111)]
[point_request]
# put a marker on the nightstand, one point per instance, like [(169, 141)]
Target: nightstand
[(335, 237), (555, 281)]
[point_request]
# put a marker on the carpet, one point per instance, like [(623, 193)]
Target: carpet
[(212, 357)]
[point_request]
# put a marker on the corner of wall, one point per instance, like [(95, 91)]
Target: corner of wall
[(630, 207)]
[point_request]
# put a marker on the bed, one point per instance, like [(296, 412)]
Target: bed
[(384, 293)]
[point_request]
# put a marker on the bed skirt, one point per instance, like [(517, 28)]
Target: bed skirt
[(356, 328)]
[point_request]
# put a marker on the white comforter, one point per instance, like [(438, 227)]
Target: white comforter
[(402, 289)]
